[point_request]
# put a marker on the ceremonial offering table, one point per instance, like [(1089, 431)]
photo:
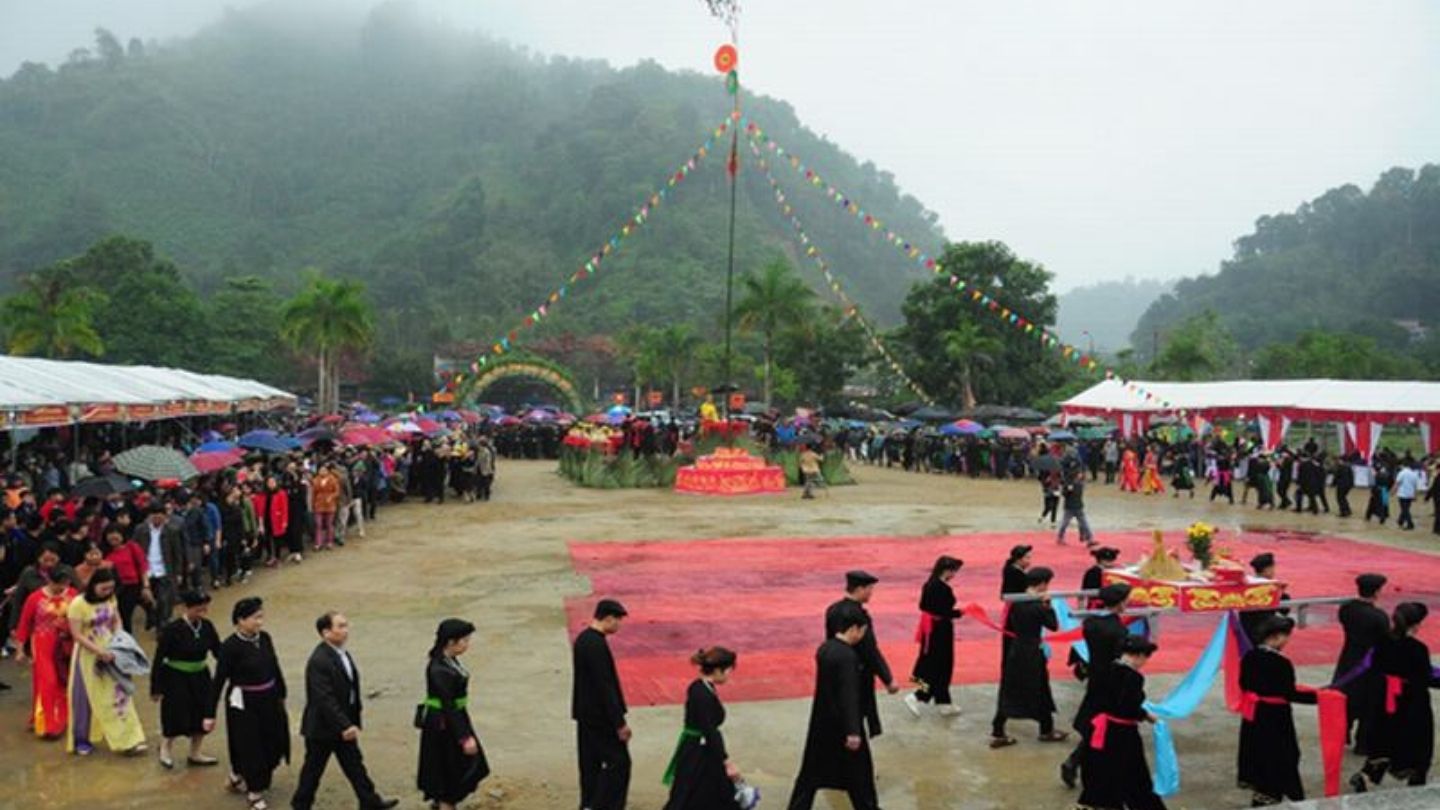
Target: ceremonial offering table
[(1193, 596), (730, 471)]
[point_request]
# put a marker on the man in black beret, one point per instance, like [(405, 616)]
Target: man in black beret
[(837, 753), (1104, 634), (598, 708), (1366, 625), (859, 587), (1263, 565)]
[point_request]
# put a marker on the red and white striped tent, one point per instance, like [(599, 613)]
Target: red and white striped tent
[(1361, 409)]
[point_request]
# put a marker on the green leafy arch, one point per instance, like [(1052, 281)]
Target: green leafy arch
[(556, 376)]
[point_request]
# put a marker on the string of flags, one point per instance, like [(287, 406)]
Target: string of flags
[(813, 253), (505, 342), (976, 294)]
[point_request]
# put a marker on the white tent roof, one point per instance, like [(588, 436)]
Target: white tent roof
[(27, 383), (1338, 400)]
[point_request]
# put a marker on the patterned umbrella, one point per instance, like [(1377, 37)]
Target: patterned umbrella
[(151, 462)]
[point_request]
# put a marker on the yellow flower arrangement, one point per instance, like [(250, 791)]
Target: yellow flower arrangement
[(1200, 537)]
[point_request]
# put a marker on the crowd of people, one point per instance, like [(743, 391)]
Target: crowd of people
[(1299, 479), (81, 566)]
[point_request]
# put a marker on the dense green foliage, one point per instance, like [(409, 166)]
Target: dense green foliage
[(959, 352), (1348, 261), (461, 179)]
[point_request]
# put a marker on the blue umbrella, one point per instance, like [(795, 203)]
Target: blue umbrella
[(217, 446), (1061, 436), (391, 400), (367, 417), (266, 441)]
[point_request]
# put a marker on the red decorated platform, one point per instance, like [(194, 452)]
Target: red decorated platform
[(1198, 597), (730, 471)]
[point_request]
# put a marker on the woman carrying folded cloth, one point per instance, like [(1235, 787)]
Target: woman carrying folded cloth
[(1269, 757), (1115, 773)]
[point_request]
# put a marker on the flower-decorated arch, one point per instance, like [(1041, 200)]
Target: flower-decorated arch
[(552, 374)]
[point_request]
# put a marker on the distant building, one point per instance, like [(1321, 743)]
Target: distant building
[(1413, 328)]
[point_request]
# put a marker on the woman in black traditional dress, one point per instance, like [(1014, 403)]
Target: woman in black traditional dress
[(181, 680), (1269, 757), (255, 720), (1024, 680), (700, 775), (935, 664), (452, 763), (1404, 744), (1115, 772)]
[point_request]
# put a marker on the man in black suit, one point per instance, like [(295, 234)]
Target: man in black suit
[(331, 723), (598, 707)]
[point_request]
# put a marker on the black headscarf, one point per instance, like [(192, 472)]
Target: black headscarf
[(246, 608), (448, 631)]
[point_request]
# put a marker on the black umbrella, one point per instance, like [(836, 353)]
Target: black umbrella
[(930, 413), (102, 486), (906, 409), (1046, 463)]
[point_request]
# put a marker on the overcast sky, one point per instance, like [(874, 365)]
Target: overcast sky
[(1104, 138)]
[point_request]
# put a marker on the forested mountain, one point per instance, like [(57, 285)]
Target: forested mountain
[(461, 178), (1107, 311), (1348, 261)]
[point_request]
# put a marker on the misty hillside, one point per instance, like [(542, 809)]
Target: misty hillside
[(460, 177), (1107, 311), (1347, 261)]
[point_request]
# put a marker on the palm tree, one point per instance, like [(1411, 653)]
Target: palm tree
[(52, 315), (675, 347), (970, 348), (328, 317), (769, 302)]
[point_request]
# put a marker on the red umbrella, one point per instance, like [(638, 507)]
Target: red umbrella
[(470, 417), (429, 425), (331, 419), (365, 436), (218, 460)]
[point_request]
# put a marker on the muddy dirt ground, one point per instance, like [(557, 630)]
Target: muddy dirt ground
[(505, 566)]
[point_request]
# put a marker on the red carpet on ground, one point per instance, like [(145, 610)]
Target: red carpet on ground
[(765, 598)]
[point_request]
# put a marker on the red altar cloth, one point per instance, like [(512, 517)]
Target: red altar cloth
[(730, 471)]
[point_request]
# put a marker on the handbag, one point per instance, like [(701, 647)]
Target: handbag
[(421, 712)]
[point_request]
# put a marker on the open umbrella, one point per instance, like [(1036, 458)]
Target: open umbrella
[(265, 441), (367, 417), (332, 419), (930, 413), (211, 462), (215, 447), (101, 486), (964, 427), (404, 427), (317, 434), (539, 415), (1062, 436), (1046, 463), (151, 462), (1012, 433), (364, 436)]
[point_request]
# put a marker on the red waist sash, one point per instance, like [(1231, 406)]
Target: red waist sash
[(1250, 700), (1100, 724)]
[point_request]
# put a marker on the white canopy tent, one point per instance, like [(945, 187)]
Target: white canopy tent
[(1360, 407), (46, 393)]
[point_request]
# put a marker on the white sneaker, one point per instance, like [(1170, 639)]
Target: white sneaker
[(913, 704), (949, 710)]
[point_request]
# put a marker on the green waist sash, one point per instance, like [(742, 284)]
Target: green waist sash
[(686, 733), (188, 667), (438, 704)]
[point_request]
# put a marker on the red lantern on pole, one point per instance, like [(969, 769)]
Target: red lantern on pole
[(726, 58)]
